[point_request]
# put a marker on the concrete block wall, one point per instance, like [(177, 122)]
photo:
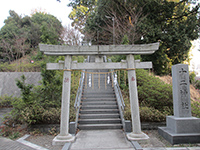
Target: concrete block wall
[(8, 82)]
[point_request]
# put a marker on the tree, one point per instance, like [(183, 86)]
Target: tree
[(10, 35), (175, 25), (7, 50), (81, 11), (25, 89), (21, 45), (20, 34), (115, 19), (171, 22), (71, 36), (49, 28)]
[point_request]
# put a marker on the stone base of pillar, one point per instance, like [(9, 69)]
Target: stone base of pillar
[(61, 140), (133, 137)]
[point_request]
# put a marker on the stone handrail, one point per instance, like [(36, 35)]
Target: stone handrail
[(79, 94), (119, 97), (79, 91), (119, 94)]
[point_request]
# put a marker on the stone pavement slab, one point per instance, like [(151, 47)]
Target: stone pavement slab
[(101, 139), (7, 144)]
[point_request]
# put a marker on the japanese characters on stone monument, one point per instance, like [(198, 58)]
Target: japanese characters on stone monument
[(181, 90)]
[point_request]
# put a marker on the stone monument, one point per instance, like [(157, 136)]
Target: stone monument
[(182, 127)]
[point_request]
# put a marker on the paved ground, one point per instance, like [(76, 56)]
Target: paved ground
[(7, 144), (101, 139)]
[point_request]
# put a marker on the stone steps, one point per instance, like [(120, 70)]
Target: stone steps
[(99, 116), (99, 103), (98, 99), (99, 126), (100, 121), (86, 107), (99, 109), (96, 88), (95, 92), (99, 96)]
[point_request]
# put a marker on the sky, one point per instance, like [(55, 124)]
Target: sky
[(24, 7), (195, 56)]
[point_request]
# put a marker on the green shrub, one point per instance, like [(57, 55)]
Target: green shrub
[(25, 89), (195, 109), (192, 77), (197, 84), (14, 135), (127, 113), (6, 101), (34, 113), (153, 92), (11, 130), (147, 114), (28, 67), (5, 67), (51, 116), (39, 56), (42, 104), (150, 114), (155, 97)]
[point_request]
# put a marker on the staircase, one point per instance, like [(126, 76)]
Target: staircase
[(99, 108)]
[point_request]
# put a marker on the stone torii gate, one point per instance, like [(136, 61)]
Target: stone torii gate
[(99, 51)]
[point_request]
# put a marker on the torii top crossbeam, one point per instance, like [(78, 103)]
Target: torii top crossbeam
[(137, 49)]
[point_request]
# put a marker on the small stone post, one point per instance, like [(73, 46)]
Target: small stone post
[(64, 135), (136, 133)]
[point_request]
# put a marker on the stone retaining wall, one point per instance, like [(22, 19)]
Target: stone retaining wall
[(8, 84)]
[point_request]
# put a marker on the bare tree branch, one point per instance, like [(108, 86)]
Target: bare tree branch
[(124, 23), (71, 36)]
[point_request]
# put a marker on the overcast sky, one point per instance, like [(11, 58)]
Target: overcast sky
[(24, 7)]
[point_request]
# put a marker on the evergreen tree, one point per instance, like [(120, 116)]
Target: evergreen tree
[(20, 34)]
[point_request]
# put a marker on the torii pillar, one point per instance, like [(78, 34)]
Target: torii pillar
[(136, 133), (64, 135)]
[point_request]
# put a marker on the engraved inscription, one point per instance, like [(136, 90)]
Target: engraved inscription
[(66, 80), (183, 88)]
